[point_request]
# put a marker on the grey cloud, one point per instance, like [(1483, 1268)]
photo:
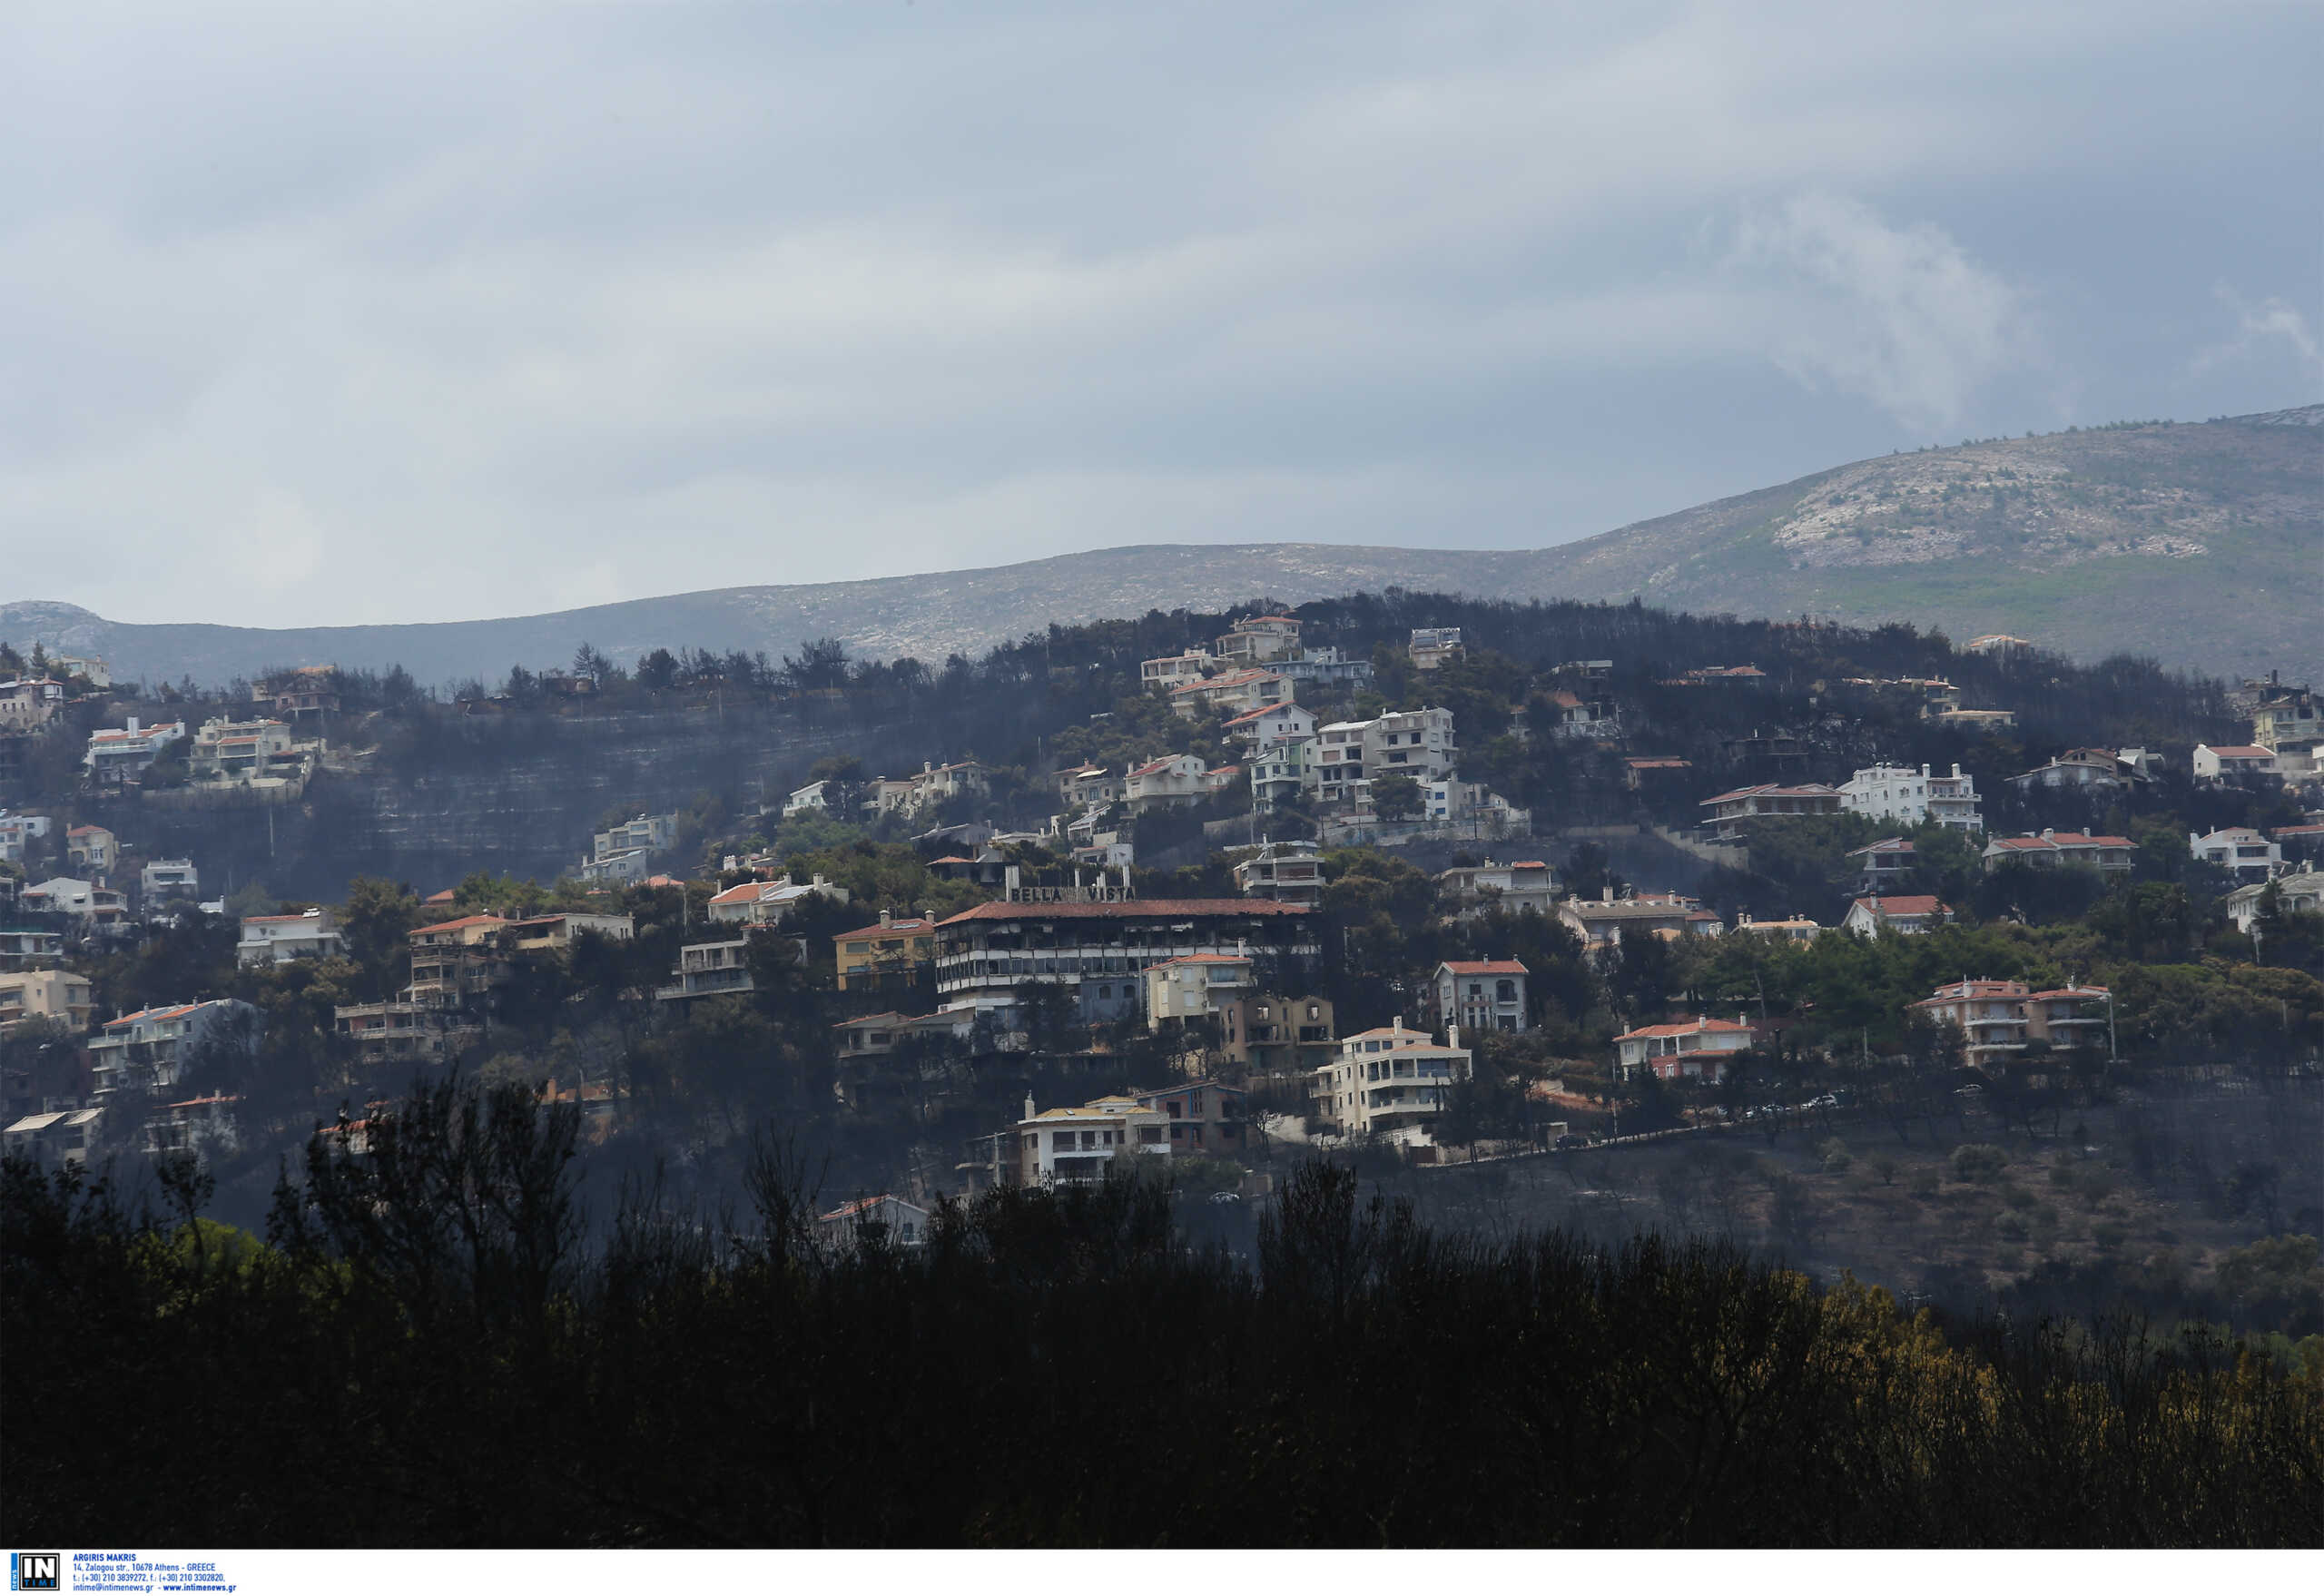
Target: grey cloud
[(336, 315)]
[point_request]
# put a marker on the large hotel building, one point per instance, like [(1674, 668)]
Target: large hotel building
[(1098, 941)]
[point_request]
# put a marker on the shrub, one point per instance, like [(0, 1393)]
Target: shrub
[(2010, 1228), (1979, 1163), (1834, 1157), (1922, 1183)]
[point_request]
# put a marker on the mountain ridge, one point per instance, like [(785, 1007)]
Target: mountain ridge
[(2083, 540)]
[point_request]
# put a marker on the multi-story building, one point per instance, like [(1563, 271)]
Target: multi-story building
[(1472, 806), (545, 933), (1418, 743), (22, 948), (1256, 640), (649, 832), (2109, 856), (2289, 721), (895, 952), (1230, 693), (455, 961), (1286, 773), (1176, 670), (1271, 727), (2093, 770), (1432, 646), (29, 703), (1195, 986), (19, 832), (1387, 1080), (399, 1032), (93, 849), (2299, 893), (1991, 1016), (151, 1048), (815, 798), (709, 970), (1088, 785), (1205, 1117), (2216, 764), (895, 1222), (629, 868), (114, 757), (2239, 850), (1899, 791), (279, 938), (767, 902), (1777, 930), (1881, 865), (1173, 780), (231, 751), (1692, 1050), (1286, 872), (169, 878), (57, 995), (1280, 1041), (198, 1126), (1732, 814), (1529, 883), (1480, 994), (2071, 1018), (55, 1138), (1076, 1147), (1603, 925), (1907, 916), (1097, 942), (1573, 718)]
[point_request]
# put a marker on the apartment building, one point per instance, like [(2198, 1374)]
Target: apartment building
[(545, 933), (1097, 947), (1528, 883), (1271, 727), (116, 755), (2108, 856), (1479, 995), (57, 995), (1386, 1080), (2239, 850), (57, 1139), (454, 962), (1205, 1118), (2288, 721), (1077, 1146), (647, 832), (1732, 814), (231, 753), (1286, 773), (280, 938), (1285, 873), (1230, 693), (1196, 986), (1997, 1018), (151, 1048), (1898, 791), (29, 703), (1418, 743), (896, 951), (709, 970), (1256, 640), (1431, 648), (1692, 1050), (1176, 670)]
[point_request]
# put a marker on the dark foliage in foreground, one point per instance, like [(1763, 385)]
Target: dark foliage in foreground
[(422, 1355)]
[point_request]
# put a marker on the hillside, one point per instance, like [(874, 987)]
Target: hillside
[(2196, 543)]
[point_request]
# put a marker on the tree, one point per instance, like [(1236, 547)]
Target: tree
[(1395, 795), (658, 671)]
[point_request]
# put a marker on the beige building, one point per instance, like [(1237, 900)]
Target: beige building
[(895, 951), (1285, 872), (44, 994), (1387, 1080), (1074, 1147)]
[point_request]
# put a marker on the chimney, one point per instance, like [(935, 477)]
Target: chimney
[(886, 918), (1607, 892), (2049, 833), (1028, 1105), (132, 725)]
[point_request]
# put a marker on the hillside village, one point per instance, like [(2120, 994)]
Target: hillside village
[(1331, 879)]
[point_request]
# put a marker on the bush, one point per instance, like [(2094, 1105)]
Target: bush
[(1922, 1183), (2108, 1235), (1979, 1163), (1883, 1167), (1834, 1157), (2010, 1228)]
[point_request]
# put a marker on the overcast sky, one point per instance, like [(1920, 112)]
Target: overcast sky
[(335, 313)]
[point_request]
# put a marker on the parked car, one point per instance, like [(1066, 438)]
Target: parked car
[(1567, 1143), (1225, 1196)]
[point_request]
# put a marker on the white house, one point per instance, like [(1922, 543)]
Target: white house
[(18, 832), (811, 799), (2239, 850), (2299, 893), (2212, 764), (1231, 692), (1481, 994), (1257, 639), (113, 756), (1288, 872), (1898, 791), (1908, 916), (153, 1046), (1159, 783), (1778, 930), (279, 938), (1418, 743), (1271, 725), (1176, 670), (1528, 883), (896, 1223), (1432, 646), (1066, 1146), (2107, 855), (170, 878), (1693, 1049), (1387, 1080), (767, 902)]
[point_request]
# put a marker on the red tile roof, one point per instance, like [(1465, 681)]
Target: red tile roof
[(1136, 908), (1485, 967), (465, 920), (911, 927), (1687, 1027), (1901, 907), (2244, 752)]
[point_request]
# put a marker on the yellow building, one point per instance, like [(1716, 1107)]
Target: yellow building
[(894, 952)]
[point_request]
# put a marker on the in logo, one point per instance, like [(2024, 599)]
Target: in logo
[(33, 1571)]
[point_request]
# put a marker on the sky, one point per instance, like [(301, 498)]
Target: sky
[(429, 311)]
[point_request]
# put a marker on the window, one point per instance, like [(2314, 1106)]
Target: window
[(1178, 1133)]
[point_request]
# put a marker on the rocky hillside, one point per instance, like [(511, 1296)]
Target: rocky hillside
[(2202, 544)]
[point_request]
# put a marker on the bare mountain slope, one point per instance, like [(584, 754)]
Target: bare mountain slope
[(2200, 544)]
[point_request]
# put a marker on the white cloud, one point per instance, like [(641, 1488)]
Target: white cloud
[(1900, 316), (2271, 327)]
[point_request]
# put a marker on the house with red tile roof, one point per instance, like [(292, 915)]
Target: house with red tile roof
[(1692, 1050), (1480, 994), (2108, 856)]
